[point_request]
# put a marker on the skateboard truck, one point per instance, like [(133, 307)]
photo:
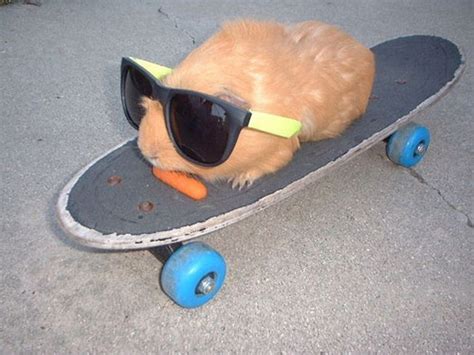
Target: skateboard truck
[(163, 253)]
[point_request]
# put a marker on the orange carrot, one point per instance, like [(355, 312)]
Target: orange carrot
[(182, 182)]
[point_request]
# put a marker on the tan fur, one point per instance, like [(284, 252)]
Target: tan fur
[(311, 71)]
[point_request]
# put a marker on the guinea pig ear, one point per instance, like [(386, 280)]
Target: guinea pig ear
[(230, 96)]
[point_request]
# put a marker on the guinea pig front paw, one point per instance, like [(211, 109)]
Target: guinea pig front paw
[(244, 180)]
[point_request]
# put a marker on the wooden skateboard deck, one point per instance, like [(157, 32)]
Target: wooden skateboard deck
[(116, 203)]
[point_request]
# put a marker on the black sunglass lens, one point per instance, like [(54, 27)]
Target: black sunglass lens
[(136, 86), (200, 128)]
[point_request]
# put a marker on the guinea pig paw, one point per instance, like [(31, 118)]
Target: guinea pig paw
[(244, 180)]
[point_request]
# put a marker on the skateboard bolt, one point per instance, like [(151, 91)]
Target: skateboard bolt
[(420, 149), (114, 180), (146, 206), (206, 285)]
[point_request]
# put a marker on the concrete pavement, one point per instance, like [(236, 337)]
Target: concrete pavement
[(371, 257)]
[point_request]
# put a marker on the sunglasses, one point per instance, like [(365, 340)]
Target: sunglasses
[(203, 128)]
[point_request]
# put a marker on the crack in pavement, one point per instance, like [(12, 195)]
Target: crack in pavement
[(175, 22), (422, 180)]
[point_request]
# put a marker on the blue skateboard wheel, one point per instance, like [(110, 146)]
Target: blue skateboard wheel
[(193, 275), (408, 145)]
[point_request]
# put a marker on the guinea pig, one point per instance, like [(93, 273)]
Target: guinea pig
[(312, 72)]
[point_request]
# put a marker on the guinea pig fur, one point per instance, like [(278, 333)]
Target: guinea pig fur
[(311, 71)]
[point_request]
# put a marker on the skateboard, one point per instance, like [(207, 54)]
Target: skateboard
[(116, 203)]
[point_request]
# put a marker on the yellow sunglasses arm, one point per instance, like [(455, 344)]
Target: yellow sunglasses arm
[(158, 71), (278, 125)]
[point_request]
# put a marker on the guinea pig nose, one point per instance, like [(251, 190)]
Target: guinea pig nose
[(154, 160)]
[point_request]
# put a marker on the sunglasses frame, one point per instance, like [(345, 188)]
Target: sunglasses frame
[(238, 118)]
